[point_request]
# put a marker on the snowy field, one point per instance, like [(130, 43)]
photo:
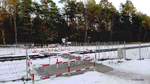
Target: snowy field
[(13, 51), (12, 70), (130, 75), (127, 72)]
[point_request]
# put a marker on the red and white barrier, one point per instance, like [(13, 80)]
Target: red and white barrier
[(78, 58), (69, 69), (45, 65), (45, 77), (59, 74), (62, 74)]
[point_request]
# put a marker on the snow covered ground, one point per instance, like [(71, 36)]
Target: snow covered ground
[(127, 72), (12, 70), (13, 51)]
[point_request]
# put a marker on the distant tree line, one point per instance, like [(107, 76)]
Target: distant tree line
[(43, 22)]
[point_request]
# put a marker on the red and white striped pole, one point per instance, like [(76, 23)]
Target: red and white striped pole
[(27, 63), (29, 67), (33, 78)]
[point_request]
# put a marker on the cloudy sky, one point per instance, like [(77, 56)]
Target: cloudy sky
[(141, 5)]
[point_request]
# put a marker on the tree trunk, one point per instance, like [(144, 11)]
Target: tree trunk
[(3, 36)]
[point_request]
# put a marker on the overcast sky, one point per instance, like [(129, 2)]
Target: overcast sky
[(141, 5)]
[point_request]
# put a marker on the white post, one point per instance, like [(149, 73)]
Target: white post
[(57, 61), (49, 60), (125, 50), (95, 61), (14, 50), (120, 53), (99, 47), (147, 52), (96, 49), (27, 67), (140, 57)]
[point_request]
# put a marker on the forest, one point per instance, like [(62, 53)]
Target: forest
[(27, 21)]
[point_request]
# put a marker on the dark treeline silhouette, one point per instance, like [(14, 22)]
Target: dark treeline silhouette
[(44, 22)]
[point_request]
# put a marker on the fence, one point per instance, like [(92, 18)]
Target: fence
[(13, 68)]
